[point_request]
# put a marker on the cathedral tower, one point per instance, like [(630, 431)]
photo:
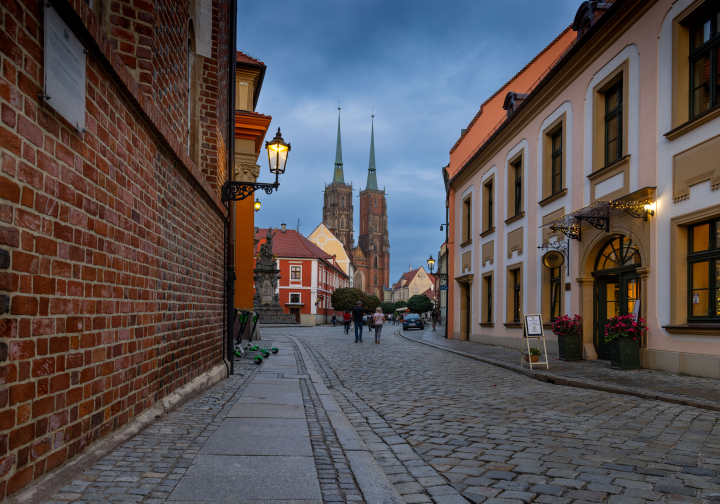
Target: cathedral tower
[(338, 204), (373, 273)]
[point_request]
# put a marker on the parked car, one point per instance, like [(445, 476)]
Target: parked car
[(413, 320)]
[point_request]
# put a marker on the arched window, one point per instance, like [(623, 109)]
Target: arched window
[(376, 265), (375, 202), (619, 252), (342, 202), (358, 281), (376, 275)]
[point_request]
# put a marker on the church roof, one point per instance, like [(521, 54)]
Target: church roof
[(293, 244)]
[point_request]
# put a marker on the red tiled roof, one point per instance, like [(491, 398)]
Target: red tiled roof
[(293, 244), (409, 276), (430, 293), (241, 57), (252, 114)]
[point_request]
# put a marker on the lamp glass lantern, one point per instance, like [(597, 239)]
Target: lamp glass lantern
[(431, 263), (257, 205), (277, 154)]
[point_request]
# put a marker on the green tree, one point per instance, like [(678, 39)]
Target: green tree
[(370, 303), (399, 304), (387, 308), (420, 303), (346, 298)]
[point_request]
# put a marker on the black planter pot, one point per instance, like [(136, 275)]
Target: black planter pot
[(624, 353), (570, 347)]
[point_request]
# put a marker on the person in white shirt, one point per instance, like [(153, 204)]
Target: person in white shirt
[(378, 319)]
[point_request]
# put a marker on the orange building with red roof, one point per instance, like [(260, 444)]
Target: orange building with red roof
[(308, 276)]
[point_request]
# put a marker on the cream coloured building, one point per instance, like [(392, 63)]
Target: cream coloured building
[(328, 242), (416, 281), (604, 148)]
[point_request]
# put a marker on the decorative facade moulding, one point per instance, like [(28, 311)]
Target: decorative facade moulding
[(245, 172)]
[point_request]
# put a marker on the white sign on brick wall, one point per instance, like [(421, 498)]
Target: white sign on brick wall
[(64, 70)]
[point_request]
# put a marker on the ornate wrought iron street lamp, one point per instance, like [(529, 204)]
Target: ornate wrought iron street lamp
[(257, 205), (277, 157)]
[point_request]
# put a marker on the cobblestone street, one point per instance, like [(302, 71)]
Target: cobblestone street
[(495, 436), (442, 428)]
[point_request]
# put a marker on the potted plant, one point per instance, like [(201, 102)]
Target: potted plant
[(569, 334), (534, 356), (622, 335)]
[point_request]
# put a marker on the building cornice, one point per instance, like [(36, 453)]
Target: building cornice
[(251, 126)]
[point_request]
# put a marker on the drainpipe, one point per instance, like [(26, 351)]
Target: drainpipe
[(447, 248), (230, 258)]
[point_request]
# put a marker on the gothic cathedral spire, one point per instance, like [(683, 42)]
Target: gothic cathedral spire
[(338, 177), (338, 202), (371, 179)]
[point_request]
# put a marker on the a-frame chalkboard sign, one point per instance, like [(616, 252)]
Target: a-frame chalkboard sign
[(533, 330)]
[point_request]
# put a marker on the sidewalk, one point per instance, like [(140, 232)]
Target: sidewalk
[(596, 375), (271, 433)]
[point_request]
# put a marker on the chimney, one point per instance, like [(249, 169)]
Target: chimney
[(283, 228)]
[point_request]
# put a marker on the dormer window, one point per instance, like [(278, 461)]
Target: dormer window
[(587, 14), (512, 101)]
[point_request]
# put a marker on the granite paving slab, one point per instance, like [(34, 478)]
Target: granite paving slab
[(266, 411), (294, 399), (266, 436), (223, 479), (268, 389)]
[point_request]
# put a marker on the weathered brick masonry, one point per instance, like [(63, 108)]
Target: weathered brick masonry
[(111, 241)]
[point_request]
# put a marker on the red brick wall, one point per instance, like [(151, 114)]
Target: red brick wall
[(131, 28), (111, 242)]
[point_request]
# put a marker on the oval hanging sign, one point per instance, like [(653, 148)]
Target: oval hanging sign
[(553, 259)]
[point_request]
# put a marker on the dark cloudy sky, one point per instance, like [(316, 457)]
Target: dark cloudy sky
[(423, 66)]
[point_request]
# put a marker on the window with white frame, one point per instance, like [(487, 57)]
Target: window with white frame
[(295, 273)]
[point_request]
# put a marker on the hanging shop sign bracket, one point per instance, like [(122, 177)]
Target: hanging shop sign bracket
[(553, 250)]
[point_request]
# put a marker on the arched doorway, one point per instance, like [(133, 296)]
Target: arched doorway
[(617, 285)]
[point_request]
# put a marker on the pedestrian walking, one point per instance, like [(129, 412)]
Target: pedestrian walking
[(379, 320), (346, 320), (334, 320), (358, 314)]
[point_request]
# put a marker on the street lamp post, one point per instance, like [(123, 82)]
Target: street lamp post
[(234, 190), (278, 150)]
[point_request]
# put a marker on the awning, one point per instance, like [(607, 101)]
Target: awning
[(639, 204)]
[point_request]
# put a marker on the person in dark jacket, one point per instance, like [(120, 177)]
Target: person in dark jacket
[(358, 314)]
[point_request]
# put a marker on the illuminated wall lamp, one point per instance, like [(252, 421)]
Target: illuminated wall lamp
[(649, 209)]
